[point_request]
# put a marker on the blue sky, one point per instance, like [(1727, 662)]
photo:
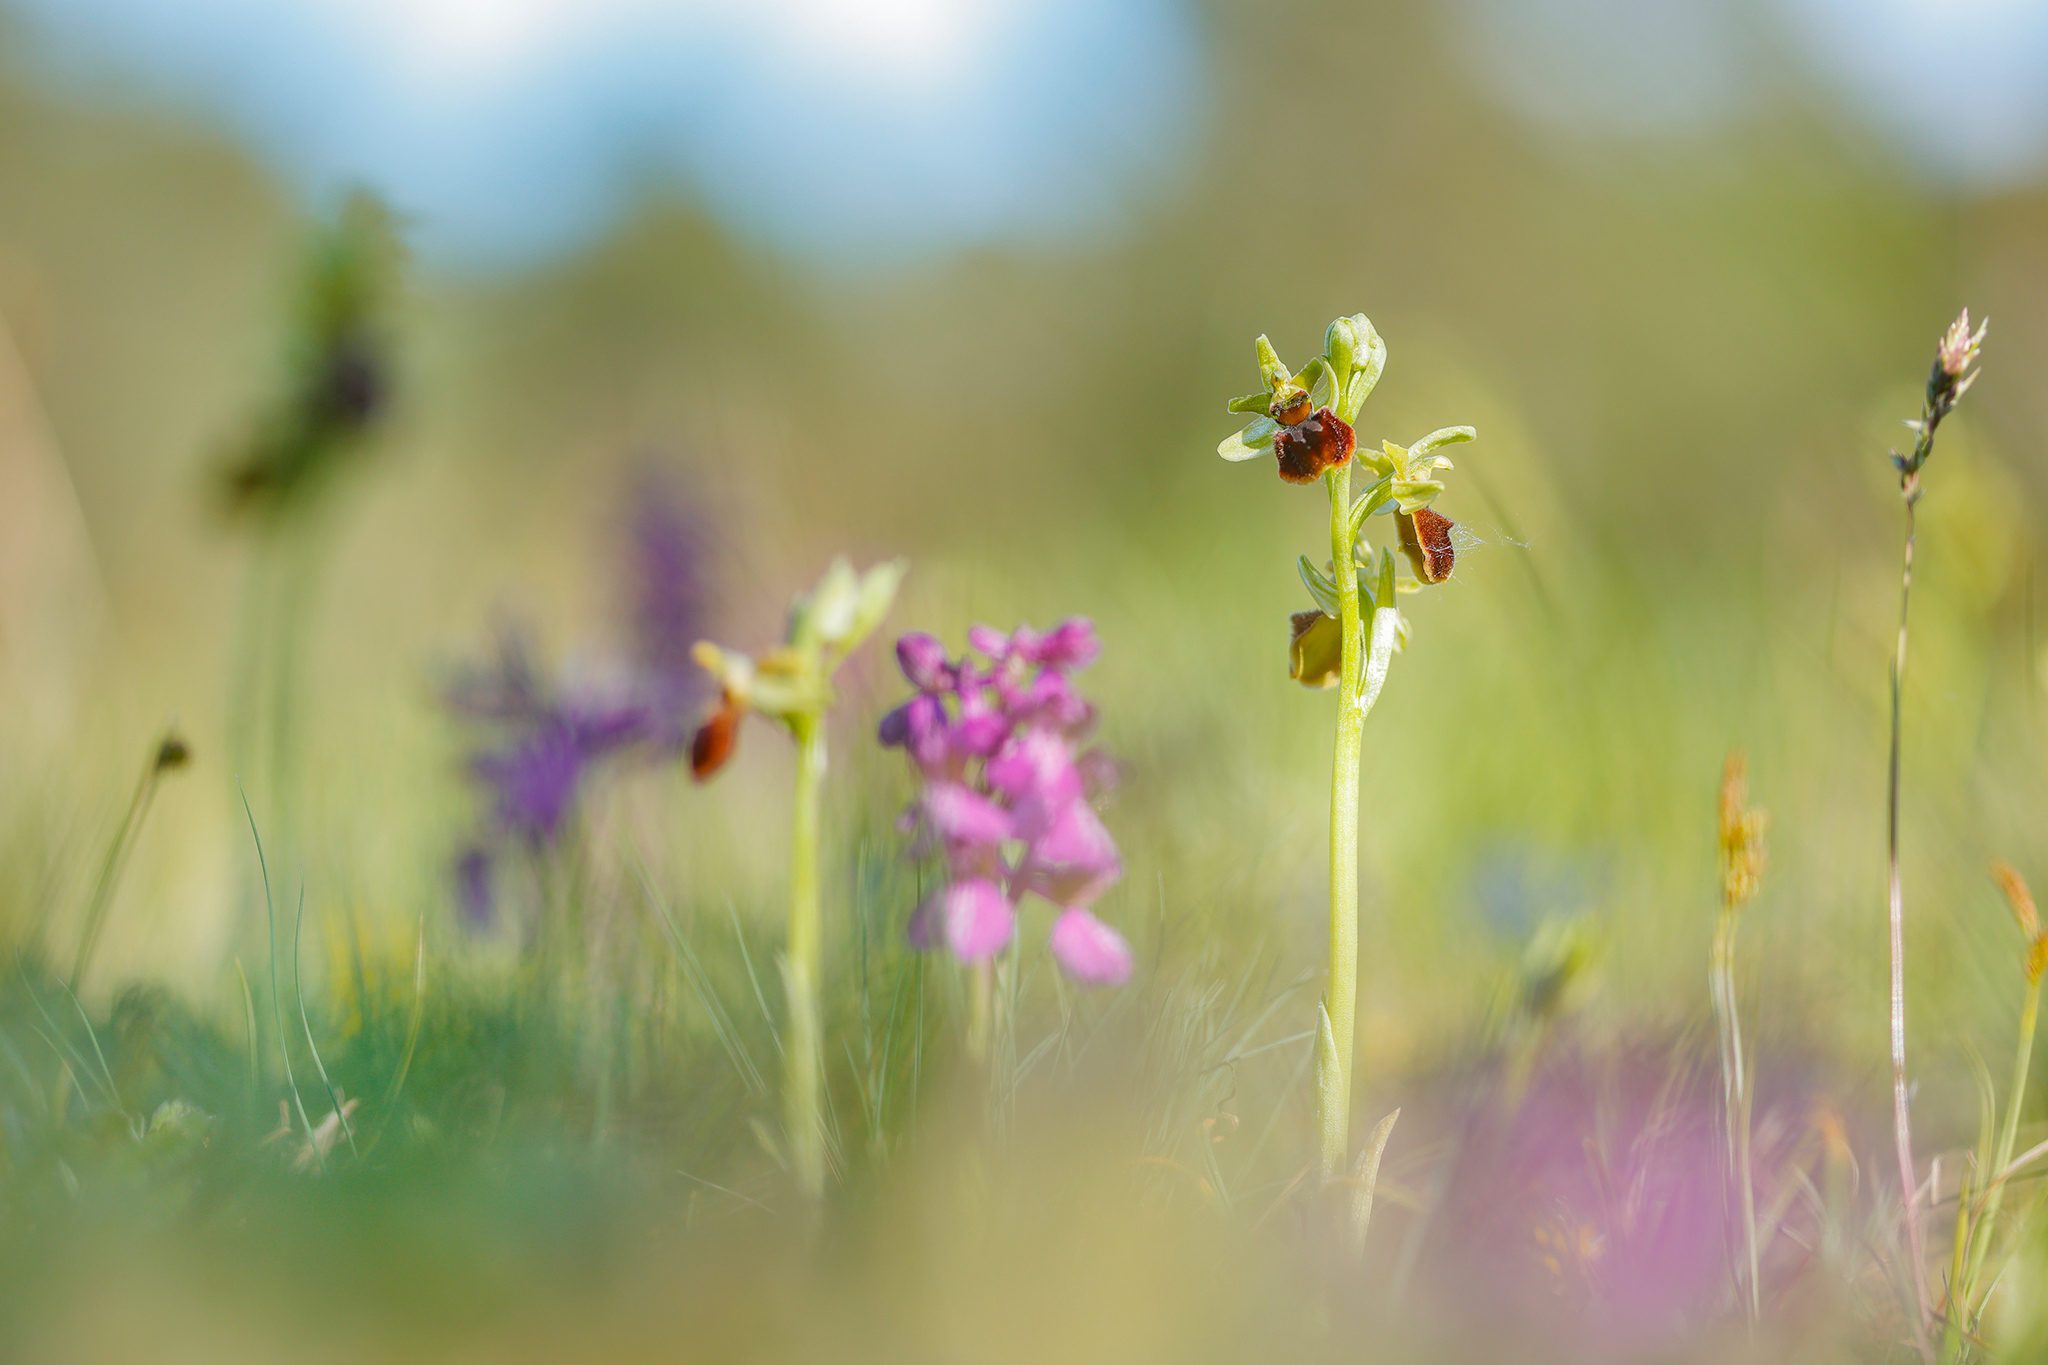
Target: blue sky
[(512, 129), (1960, 87)]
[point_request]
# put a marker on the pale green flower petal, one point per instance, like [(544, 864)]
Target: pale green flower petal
[(1255, 439)]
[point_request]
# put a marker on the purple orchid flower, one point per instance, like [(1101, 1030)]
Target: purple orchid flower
[(539, 743), (540, 746), (1006, 796), (668, 599), (535, 778)]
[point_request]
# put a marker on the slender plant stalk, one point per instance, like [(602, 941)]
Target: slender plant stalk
[(110, 868), (793, 687), (1735, 1102), (1340, 994), (1949, 379), (276, 998), (1902, 1124), (801, 965)]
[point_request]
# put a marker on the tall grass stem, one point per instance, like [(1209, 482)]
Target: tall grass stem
[(110, 868), (1902, 1124)]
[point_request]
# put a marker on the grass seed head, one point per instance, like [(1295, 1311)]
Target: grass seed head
[(2024, 914), (1741, 834)]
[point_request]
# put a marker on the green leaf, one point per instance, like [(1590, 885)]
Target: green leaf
[(1255, 439), (1332, 1101), (1386, 630), (1366, 1180), (1320, 588)]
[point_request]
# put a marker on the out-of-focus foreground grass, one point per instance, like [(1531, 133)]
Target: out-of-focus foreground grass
[(1685, 362)]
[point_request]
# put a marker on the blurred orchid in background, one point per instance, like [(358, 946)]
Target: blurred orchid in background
[(540, 742), (792, 685), (1006, 797)]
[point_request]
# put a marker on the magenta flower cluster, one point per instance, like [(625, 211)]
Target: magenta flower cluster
[(1007, 794)]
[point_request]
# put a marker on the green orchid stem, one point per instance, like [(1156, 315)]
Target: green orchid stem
[(1340, 994), (801, 969)]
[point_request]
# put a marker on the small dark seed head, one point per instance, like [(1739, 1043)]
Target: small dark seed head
[(172, 753)]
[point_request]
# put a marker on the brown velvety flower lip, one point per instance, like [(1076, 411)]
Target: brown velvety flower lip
[(716, 738), (1322, 441), (1426, 539)]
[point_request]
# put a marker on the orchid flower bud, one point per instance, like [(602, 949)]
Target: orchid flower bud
[(1368, 357), (825, 615), (872, 602)]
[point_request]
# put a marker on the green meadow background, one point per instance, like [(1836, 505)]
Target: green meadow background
[(1685, 356)]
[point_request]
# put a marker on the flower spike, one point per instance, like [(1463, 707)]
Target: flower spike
[(1348, 639)]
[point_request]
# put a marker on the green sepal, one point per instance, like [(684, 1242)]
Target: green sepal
[(1384, 462), (1253, 404), (1270, 369), (1256, 439), (1410, 494), (1319, 380), (1320, 588), (785, 696)]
